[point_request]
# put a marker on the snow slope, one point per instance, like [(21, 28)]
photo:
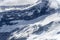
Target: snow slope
[(13, 5), (45, 27), (53, 29)]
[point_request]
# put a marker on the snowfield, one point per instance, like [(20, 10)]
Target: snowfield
[(39, 21)]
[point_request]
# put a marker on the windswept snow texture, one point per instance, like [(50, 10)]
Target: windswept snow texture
[(40, 20)]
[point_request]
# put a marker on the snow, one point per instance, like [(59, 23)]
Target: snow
[(17, 2), (33, 25), (21, 23), (50, 34), (54, 4)]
